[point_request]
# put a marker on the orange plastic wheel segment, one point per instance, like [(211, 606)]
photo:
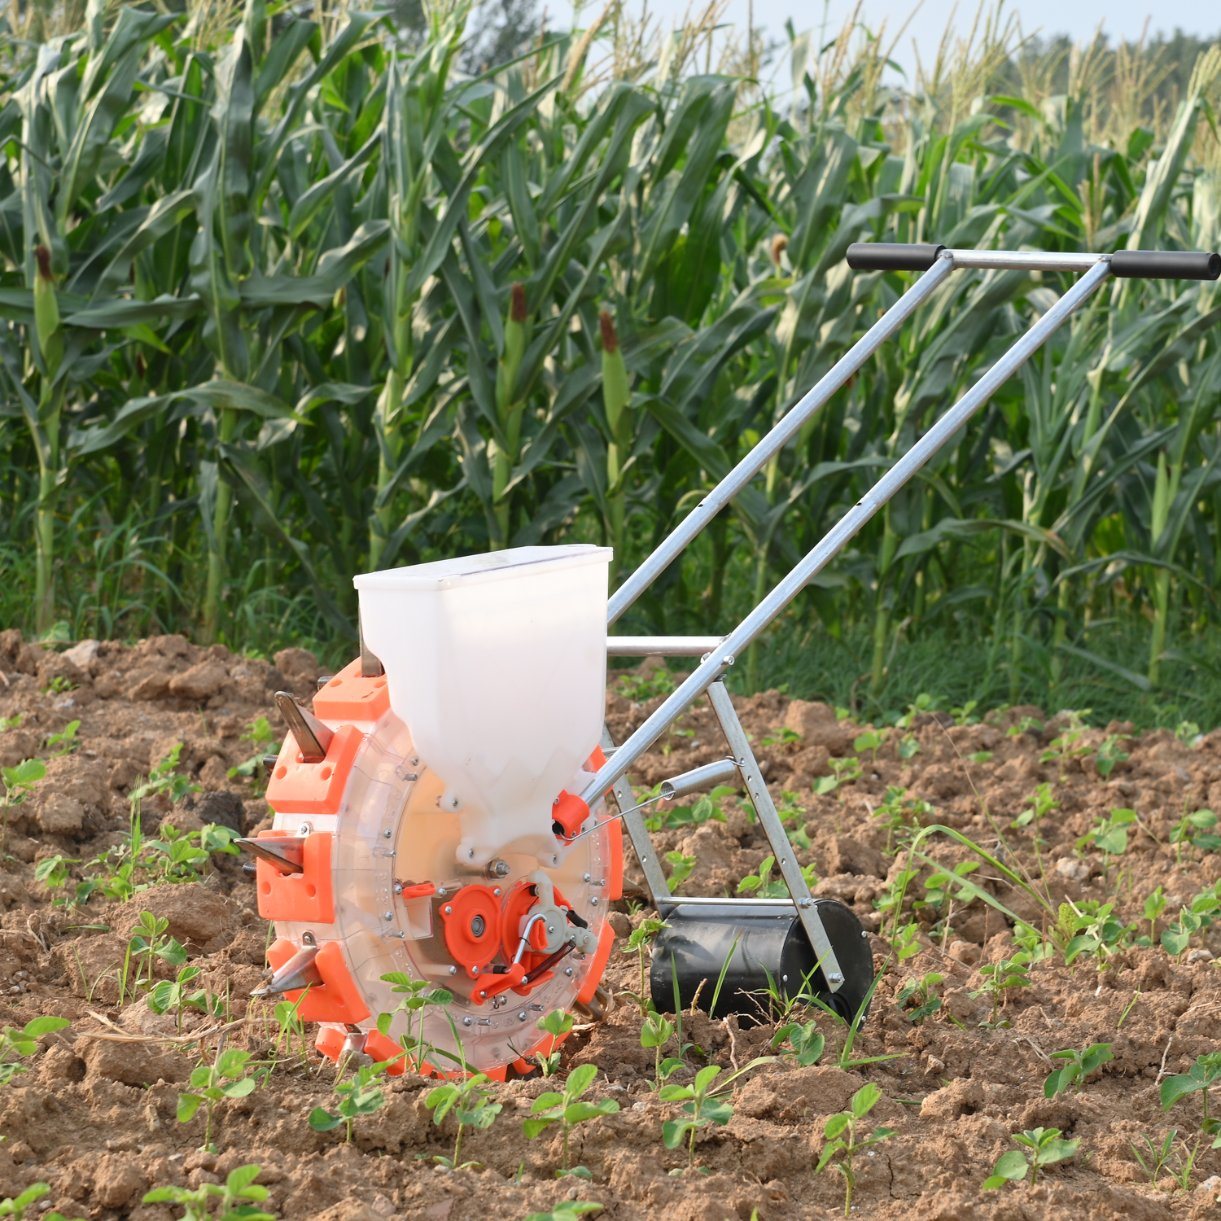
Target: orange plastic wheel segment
[(330, 1039), (297, 787), (597, 966), (614, 861), (307, 896), (384, 1050), (337, 998), (349, 696)]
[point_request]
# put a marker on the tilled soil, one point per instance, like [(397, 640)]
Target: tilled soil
[(95, 1114)]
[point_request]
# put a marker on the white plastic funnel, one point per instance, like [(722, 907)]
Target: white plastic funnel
[(497, 665)]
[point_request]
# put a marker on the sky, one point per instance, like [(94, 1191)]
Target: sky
[(1120, 19)]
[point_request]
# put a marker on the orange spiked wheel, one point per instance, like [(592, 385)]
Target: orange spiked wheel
[(380, 892)]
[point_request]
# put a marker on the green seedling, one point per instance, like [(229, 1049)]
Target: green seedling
[(655, 1032), (870, 740), (1039, 804), (638, 943), (791, 810), (290, 1029), (418, 996), (801, 1040), (471, 1105), (18, 780), (10, 722), (177, 995), (64, 742), (17, 1045), (901, 814), (764, 886), (60, 684), (1188, 732), (16, 1207), (1109, 835), (844, 1141), (567, 1109), (1090, 928), (1198, 1079), (843, 771), (707, 807), (908, 747), (558, 1023), (922, 705), (906, 941), (565, 1210), (919, 998), (1197, 830), (1196, 917), (1076, 1066), (945, 887), (359, 1094), (163, 780), (238, 1197), (52, 871), (681, 867), (262, 738), (1068, 745), (704, 1102), (1001, 978), (227, 1077), (1155, 905), (1110, 753), (780, 737), (150, 941), (890, 902), (646, 686), (1038, 1149)]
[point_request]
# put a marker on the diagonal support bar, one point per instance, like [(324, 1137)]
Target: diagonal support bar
[(842, 533)]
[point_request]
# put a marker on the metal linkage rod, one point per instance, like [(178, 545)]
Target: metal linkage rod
[(838, 537), (1024, 260), (672, 546)]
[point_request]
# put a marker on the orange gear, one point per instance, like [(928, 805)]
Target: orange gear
[(472, 922)]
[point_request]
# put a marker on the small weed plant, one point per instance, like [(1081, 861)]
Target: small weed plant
[(1002, 978), (844, 1138), (558, 1024)]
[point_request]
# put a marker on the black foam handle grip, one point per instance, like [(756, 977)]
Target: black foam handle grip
[(892, 256), (1166, 265)]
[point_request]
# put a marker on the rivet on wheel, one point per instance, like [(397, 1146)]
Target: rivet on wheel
[(387, 915), (521, 1017), (448, 909), (453, 970)]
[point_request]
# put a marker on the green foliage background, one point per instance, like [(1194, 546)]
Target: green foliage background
[(282, 300)]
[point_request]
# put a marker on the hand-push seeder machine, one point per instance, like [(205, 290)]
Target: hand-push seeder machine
[(446, 814)]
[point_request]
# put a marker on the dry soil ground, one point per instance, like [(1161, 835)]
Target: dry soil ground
[(94, 1114)]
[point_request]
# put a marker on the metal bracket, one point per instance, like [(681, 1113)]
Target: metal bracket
[(654, 880)]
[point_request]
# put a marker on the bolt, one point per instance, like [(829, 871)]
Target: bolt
[(568, 972), (474, 972), (804, 902), (467, 1022), (835, 977), (387, 833), (594, 901), (387, 915), (551, 929), (448, 909), (453, 970), (442, 892), (304, 829), (398, 888), (521, 1017), (496, 891), (498, 868), (585, 877)]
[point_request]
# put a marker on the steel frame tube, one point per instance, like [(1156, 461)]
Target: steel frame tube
[(1025, 260), (661, 646), (673, 545), (838, 537)]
